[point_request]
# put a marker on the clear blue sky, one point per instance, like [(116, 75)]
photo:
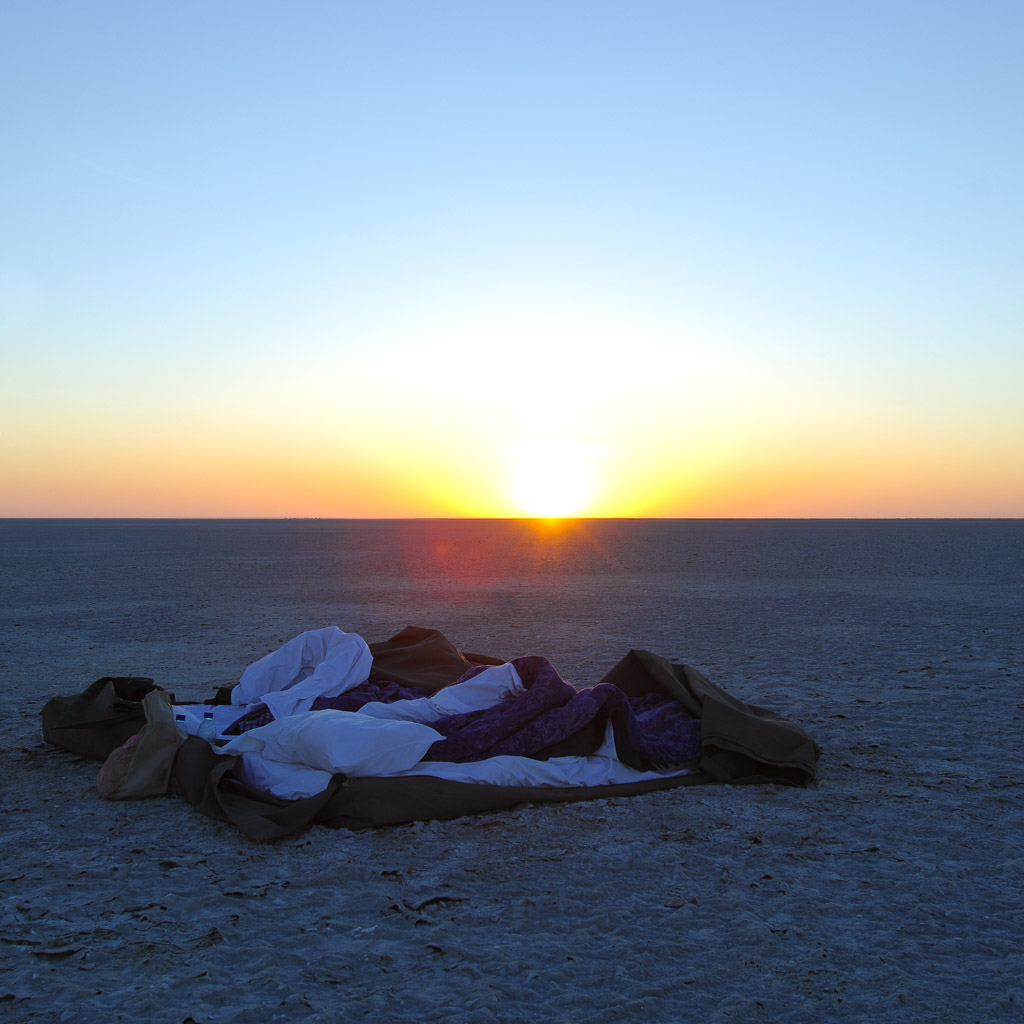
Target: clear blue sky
[(260, 225)]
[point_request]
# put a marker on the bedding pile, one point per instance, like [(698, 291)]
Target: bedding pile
[(333, 730)]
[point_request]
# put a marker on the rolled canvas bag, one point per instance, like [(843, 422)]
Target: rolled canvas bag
[(142, 765), (98, 719)]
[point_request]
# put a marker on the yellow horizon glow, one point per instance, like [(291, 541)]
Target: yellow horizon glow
[(523, 432), (228, 480)]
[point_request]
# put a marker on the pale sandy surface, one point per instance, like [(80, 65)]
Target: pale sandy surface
[(890, 891)]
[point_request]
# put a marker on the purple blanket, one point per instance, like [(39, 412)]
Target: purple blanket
[(543, 721)]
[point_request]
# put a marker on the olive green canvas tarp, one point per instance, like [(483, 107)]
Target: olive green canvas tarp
[(208, 782), (740, 743)]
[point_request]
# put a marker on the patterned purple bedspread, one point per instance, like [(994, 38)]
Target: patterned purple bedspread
[(653, 729)]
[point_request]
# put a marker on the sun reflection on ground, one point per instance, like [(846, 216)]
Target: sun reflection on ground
[(487, 561)]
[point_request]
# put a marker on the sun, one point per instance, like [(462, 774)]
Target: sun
[(551, 479)]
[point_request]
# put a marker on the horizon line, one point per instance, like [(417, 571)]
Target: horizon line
[(509, 519)]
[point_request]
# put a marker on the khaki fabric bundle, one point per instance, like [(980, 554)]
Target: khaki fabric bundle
[(142, 765)]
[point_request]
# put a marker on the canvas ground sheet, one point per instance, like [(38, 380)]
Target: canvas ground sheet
[(739, 743)]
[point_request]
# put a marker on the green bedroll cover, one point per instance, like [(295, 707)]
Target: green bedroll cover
[(740, 743)]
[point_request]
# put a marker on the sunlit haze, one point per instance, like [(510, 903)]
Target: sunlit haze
[(512, 259)]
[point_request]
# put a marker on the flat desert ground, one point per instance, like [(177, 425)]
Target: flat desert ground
[(890, 890)]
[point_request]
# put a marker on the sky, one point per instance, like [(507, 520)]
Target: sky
[(409, 258)]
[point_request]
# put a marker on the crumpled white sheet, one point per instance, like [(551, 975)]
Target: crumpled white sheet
[(497, 682), (318, 663)]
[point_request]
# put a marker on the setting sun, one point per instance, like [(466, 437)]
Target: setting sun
[(552, 479)]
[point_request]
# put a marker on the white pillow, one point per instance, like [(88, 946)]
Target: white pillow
[(339, 741)]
